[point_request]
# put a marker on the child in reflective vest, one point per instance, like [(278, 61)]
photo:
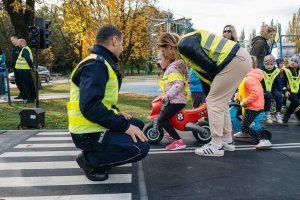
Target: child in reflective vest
[(250, 96), (174, 87), (291, 82), (272, 85)]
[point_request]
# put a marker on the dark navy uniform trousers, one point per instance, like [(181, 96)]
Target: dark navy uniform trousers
[(107, 149)]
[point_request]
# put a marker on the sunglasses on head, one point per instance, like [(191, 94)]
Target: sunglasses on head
[(228, 31)]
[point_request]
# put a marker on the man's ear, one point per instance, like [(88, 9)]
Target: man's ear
[(114, 41)]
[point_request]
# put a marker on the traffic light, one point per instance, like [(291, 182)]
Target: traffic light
[(45, 33), (34, 37)]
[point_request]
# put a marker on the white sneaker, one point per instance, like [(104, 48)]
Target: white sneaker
[(278, 118), (269, 119), (228, 146), (241, 135), (209, 150), (263, 144)]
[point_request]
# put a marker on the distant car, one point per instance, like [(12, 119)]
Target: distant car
[(43, 72)]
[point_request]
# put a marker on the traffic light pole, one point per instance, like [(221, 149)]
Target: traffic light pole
[(36, 59)]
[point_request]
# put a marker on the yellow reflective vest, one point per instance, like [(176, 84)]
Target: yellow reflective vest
[(269, 79), (294, 81), (173, 77), (77, 122), (206, 53), (21, 63)]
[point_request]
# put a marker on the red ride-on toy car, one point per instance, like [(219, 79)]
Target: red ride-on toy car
[(184, 120)]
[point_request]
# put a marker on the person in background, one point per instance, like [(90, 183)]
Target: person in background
[(24, 68), (15, 51), (229, 33), (291, 84), (281, 65), (173, 84), (260, 47), (250, 96), (222, 64), (272, 85), (3, 74), (198, 97), (106, 136)]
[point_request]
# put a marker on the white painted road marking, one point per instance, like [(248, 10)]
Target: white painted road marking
[(123, 196)]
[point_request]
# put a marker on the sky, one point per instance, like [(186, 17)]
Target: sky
[(213, 15)]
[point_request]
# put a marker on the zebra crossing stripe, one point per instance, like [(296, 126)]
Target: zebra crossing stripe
[(49, 139), (44, 165), (60, 180), (48, 145), (53, 133), (123, 196), (39, 154)]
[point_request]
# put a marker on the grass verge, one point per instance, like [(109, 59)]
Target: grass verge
[(56, 113)]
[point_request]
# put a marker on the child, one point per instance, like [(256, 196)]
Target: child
[(173, 84), (251, 98), (272, 86), (291, 82), (198, 97), (3, 74)]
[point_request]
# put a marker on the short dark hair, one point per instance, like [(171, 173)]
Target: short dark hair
[(106, 32), (14, 36)]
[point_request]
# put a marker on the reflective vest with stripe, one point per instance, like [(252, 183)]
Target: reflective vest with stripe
[(294, 81), (217, 53), (3, 63), (21, 63), (269, 79), (77, 122), (173, 77)]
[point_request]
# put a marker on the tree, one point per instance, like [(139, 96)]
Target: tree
[(21, 15), (294, 28)]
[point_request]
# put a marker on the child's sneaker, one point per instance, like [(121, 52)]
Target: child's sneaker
[(263, 144), (278, 118), (209, 150), (241, 135), (269, 119), (286, 118), (228, 146), (176, 145)]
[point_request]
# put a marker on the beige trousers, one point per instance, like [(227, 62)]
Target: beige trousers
[(223, 87)]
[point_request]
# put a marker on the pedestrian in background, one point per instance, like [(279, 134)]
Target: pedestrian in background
[(15, 51), (229, 33), (3, 75), (260, 47), (197, 94), (24, 68)]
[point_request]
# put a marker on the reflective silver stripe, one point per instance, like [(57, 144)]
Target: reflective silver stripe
[(219, 49), (208, 43)]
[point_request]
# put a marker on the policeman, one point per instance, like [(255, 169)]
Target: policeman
[(222, 64), (106, 136), (24, 66), (15, 51)]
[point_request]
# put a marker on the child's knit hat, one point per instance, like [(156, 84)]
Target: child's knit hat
[(269, 59), (296, 58)]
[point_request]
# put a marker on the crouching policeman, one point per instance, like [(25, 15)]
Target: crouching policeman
[(106, 136)]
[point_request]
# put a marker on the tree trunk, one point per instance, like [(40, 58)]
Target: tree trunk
[(20, 19)]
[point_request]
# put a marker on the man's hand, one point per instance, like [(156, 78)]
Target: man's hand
[(287, 94), (135, 132), (125, 115)]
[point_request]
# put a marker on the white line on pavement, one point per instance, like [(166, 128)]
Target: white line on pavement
[(60, 180), (43, 165), (123, 196), (53, 133), (237, 149), (39, 154), (44, 145), (49, 138)]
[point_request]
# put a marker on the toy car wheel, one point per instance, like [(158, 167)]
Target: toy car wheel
[(153, 138), (203, 137)]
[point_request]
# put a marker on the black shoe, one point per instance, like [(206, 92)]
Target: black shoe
[(89, 172), (18, 97), (297, 114), (286, 118)]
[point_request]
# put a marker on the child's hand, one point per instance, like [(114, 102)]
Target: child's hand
[(287, 94), (236, 98)]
